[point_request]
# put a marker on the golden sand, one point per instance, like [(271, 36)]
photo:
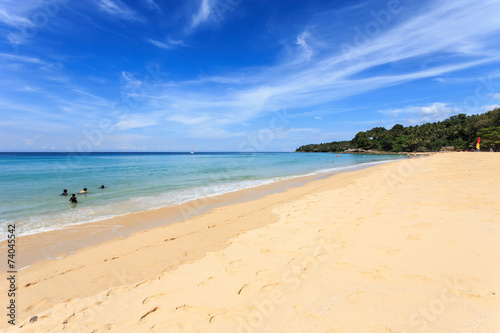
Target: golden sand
[(409, 246)]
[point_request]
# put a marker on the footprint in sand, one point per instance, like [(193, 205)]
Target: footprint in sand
[(150, 298), (262, 272), (356, 297), (188, 261), (243, 289), (117, 290), (487, 296), (393, 252), (142, 282), (269, 286), (380, 273), (413, 237), (322, 256), (42, 302), (149, 312), (235, 266), (216, 315), (265, 250), (99, 278), (185, 307), (205, 282)]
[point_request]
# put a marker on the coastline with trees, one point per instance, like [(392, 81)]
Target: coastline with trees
[(460, 131)]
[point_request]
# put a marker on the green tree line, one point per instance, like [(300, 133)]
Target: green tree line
[(460, 131)]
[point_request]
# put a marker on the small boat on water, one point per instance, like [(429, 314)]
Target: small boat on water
[(191, 152)]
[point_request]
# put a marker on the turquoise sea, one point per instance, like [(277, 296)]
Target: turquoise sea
[(31, 183)]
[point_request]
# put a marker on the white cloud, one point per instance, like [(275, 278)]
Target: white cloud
[(176, 42), (460, 29), (135, 123), (159, 44), (13, 20), (169, 44), (152, 4), (306, 130), (211, 133), (302, 42), (422, 114), (24, 59), (333, 77), (495, 95), (203, 14), (128, 146), (210, 11), (491, 107), (191, 120), (28, 88), (118, 9), (130, 81)]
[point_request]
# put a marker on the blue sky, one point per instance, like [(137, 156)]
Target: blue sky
[(237, 75)]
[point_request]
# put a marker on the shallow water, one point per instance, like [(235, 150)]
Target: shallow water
[(31, 182)]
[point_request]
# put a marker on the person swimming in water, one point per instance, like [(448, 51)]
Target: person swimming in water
[(73, 198), (65, 192), (84, 190), (102, 186)]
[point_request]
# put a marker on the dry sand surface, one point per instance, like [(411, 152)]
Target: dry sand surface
[(409, 246)]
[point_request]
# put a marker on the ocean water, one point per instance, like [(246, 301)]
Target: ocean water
[(31, 183)]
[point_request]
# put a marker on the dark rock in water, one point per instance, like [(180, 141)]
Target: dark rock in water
[(33, 319)]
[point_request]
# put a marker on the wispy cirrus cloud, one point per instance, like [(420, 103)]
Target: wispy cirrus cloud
[(448, 28), (25, 59), (302, 42), (180, 118), (118, 9), (153, 5), (211, 11), (203, 13), (135, 122), (443, 40), (13, 20), (167, 44)]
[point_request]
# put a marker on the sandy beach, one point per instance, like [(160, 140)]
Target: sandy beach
[(407, 246)]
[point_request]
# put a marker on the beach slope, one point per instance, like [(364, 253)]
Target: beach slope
[(408, 246)]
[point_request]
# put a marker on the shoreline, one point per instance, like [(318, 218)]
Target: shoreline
[(64, 241), (357, 251)]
